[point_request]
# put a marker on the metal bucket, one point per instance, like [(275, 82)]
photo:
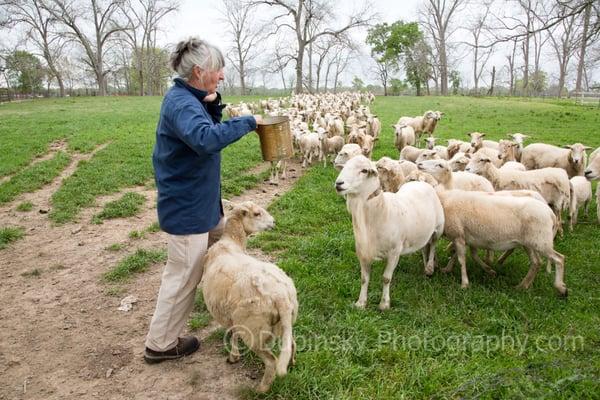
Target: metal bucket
[(275, 138)]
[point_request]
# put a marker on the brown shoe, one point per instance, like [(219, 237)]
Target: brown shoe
[(185, 346)]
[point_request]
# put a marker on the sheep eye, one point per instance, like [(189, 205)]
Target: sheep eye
[(364, 171), (257, 214)]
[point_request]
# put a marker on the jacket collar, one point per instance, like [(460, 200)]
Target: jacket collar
[(199, 94)]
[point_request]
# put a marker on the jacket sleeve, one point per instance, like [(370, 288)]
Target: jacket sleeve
[(197, 131)]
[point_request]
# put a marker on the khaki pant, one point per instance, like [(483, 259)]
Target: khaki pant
[(178, 285)]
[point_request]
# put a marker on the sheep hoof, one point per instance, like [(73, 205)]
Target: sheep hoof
[(447, 270), (464, 285), (384, 306), (429, 271), (491, 272), (360, 305), (563, 292), (262, 388), (522, 286), (233, 359)]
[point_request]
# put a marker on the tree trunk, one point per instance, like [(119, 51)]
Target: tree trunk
[(586, 24), (443, 68), (491, 91), (299, 62)]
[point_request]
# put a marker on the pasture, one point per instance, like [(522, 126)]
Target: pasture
[(436, 341)]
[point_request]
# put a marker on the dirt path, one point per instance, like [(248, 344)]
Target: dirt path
[(62, 336)]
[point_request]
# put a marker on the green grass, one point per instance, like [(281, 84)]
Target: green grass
[(127, 206), (126, 125), (10, 234), (33, 177), (438, 341), (25, 206), (115, 247), (135, 263), (200, 317), (36, 272)]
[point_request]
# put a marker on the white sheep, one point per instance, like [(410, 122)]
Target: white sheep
[(330, 145), (348, 151), (487, 221), (410, 153), (592, 173), (427, 155), (441, 150), (456, 146), (407, 166), (255, 300), (552, 183), (368, 142), (459, 161), (390, 174), (404, 136), (440, 170), (508, 151), (423, 124), (310, 147), (387, 225), (514, 166), (571, 158), (519, 139), (582, 189)]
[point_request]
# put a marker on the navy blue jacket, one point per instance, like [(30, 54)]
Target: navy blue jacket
[(187, 159)]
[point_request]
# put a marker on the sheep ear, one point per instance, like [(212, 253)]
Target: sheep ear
[(567, 146), (482, 135), (510, 135), (468, 155), (587, 148), (486, 159)]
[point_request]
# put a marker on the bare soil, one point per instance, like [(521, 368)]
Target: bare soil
[(62, 336)]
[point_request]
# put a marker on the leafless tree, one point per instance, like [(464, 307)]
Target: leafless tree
[(143, 23), (510, 58), (564, 43), (308, 20), (583, 42), (247, 34), (437, 17), (103, 16), (480, 55), (40, 30)]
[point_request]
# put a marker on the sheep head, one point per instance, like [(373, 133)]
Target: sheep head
[(577, 154), (507, 150), (420, 176), (436, 168), (592, 172), (346, 153), (430, 142), (479, 164), (358, 178), (253, 217)]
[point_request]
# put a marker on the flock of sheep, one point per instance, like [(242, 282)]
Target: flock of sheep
[(482, 194)]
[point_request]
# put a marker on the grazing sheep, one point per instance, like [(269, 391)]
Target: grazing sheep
[(477, 141), (571, 158), (487, 221), (390, 174), (552, 183), (440, 170), (254, 299), (348, 151), (582, 189), (387, 225), (592, 173), (405, 136)]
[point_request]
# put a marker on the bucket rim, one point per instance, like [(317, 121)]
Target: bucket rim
[(273, 120)]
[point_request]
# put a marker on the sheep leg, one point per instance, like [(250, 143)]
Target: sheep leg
[(269, 360), (479, 261), (504, 256), (450, 266), (461, 249), (559, 263), (586, 208), (392, 262), (430, 264), (293, 359), (234, 353), (365, 272), (558, 214), (534, 267)]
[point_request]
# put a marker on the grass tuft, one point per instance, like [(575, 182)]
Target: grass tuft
[(134, 263), (25, 206), (10, 234), (127, 206)]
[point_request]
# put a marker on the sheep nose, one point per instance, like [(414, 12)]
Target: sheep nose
[(420, 165), (339, 184), (587, 172), (499, 156)]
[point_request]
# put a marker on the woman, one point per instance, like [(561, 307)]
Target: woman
[(187, 166)]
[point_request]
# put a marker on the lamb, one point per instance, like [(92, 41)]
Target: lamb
[(477, 141), (552, 183), (592, 173), (487, 221), (330, 145), (455, 146), (373, 126), (440, 170), (255, 300), (459, 161), (427, 155), (405, 136), (571, 158), (492, 154), (387, 225), (390, 174), (368, 143), (519, 139), (310, 147), (508, 151), (348, 151), (582, 189)]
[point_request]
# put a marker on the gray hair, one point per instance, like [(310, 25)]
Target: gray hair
[(194, 51)]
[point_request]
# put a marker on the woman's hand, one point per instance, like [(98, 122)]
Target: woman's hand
[(210, 98)]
